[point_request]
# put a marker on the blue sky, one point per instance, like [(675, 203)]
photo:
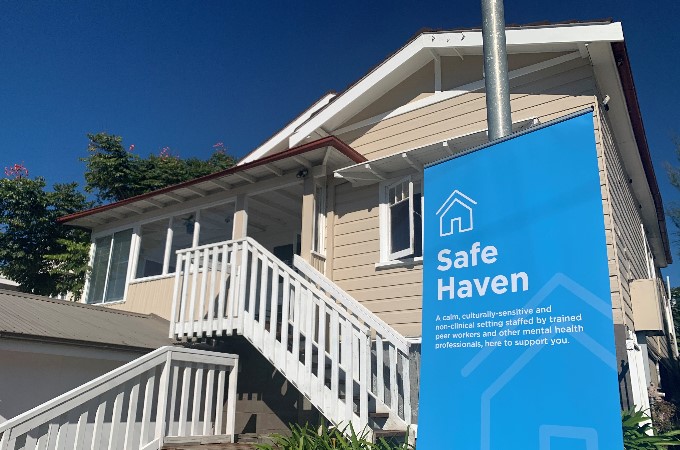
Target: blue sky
[(188, 74)]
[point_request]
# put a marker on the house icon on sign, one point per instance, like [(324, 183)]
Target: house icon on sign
[(456, 214)]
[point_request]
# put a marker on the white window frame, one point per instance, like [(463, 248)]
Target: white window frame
[(387, 257), (93, 248)]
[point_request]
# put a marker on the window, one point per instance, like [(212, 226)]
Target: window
[(152, 248), (401, 227), (109, 267)]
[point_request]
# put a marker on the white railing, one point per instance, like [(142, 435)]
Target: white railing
[(168, 392), (239, 286), (391, 349)]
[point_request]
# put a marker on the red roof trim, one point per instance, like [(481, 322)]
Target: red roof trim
[(626, 75), (329, 141)]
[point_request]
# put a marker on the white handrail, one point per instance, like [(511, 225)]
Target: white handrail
[(49, 424), (364, 314)]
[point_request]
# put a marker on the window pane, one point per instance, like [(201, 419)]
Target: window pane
[(417, 225), (182, 236), (400, 238), (99, 265), (216, 224), (152, 248), (120, 256)]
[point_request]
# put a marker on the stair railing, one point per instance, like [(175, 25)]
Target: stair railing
[(391, 349), (240, 286), (168, 392)]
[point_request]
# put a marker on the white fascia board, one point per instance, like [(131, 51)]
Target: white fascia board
[(610, 32), (289, 129)]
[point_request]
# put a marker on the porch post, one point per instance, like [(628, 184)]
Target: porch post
[(240, 229), (307, 231)]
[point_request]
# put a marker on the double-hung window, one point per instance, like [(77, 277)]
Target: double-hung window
[(109, 267), (401, 220)]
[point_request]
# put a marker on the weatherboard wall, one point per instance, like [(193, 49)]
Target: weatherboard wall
[(394, 293)]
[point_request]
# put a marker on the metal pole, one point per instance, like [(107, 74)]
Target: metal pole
[(496, 70)]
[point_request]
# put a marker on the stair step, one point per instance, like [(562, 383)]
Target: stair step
[(379, 415)]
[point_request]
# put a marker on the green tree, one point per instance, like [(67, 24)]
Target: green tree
[(43, 256), (114, 173)]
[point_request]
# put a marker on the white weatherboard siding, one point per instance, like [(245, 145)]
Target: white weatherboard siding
[(395, 293)]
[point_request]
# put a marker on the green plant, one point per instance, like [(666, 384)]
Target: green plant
[(307, 438), (637, 429)]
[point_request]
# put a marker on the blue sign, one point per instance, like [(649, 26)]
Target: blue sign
[(518, 338)]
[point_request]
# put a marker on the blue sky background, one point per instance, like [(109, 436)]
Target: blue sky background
[(188, 74)]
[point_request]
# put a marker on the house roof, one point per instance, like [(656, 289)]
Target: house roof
[(329, 150), (32, 317)]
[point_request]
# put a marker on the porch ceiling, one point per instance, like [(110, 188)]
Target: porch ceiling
[(329, 151)]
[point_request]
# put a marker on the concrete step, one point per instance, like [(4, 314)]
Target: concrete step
[(243, 442)]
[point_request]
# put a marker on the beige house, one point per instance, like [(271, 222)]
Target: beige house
[(293, 258)]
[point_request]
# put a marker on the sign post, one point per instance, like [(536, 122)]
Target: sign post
[(518, 337)]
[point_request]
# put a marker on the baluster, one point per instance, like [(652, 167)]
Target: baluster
[(283, 354), (347, 360), (62, 434), (198, 393), (198, 327), (184, 400), (81, 429), (146, 411), (254, 263), (175, 298), (219, 404), (208, 407), (406, 381), (114, 432), (309, 337), (394, 398), (210, 326), (243, 280), (296, 329), (262, 315), (364, 377), (231, 400), (321, 357), (53, 431), (129, 443), (98, 425), (274, 313), (182, 331), (335, 357), (33, 438), (172, 426), (226, 303), (380, 367), (194, 285)]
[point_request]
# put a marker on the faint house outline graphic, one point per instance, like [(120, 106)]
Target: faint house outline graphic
[(546, 432), (462, 214)]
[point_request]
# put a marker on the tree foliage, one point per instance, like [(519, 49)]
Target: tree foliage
[(48, 258), (114, 173), (41, 255)]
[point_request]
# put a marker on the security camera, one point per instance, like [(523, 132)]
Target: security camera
[(605, 102)]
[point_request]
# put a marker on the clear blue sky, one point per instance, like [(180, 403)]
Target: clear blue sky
[(188, 74)]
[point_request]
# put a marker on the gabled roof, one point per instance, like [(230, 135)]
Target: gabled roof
[(32, 317)]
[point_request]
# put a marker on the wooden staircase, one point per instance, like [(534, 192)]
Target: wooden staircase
[(351, 366)]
